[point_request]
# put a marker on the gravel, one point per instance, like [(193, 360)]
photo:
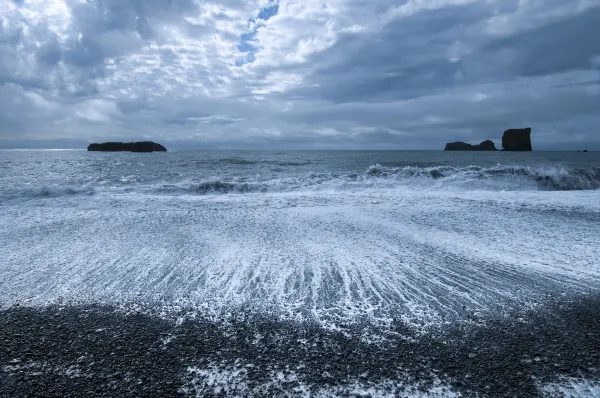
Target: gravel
[(93, 350)]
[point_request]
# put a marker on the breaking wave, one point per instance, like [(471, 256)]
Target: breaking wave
[(46, 191), (218, 186), (442, 178), (497, 178)]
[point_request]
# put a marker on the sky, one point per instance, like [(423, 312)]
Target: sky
[(299, 74)]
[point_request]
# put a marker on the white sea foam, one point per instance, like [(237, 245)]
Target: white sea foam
[(375, 255), (571, 387), (233, 381), (37, 368)]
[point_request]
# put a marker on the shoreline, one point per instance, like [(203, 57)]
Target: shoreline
[(98, 350)]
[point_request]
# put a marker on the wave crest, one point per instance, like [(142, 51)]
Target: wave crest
[(440, 178), (496, 178), (46, 191), (217, 186), (499, 177)]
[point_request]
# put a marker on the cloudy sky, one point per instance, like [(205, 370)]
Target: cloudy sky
[(398, 74)]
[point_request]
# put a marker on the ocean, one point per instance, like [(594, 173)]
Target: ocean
[(302, 273)]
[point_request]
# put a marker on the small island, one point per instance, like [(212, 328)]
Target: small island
[(486, 145), (144, 146)]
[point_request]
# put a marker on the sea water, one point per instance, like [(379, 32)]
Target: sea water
[(334, 238)]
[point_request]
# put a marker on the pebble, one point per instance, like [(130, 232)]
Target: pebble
[(141, 367)]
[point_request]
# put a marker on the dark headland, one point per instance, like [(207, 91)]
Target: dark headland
[(517, 140), (145, 146), (512, 140)]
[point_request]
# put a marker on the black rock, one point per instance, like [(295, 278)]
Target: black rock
[(585, 150), (145, 146), (517, 140), (486, 145), (458, 146)]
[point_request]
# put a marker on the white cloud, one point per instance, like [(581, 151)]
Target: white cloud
[(97, 110), (311, 73)]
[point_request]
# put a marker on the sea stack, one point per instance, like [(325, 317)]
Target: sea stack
[(517, 140), (486, 145), (144, 146)]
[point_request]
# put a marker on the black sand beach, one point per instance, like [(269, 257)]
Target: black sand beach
[(100, 351)]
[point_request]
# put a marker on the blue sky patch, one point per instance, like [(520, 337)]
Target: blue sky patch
[(246, 39), (268, 12)]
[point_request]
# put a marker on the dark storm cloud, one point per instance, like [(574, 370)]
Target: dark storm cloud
[(408, 57), (258, 73), (560, 46)]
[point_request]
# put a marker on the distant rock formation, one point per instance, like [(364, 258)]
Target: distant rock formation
[(517, 140), (145, 146), (486, 145)]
